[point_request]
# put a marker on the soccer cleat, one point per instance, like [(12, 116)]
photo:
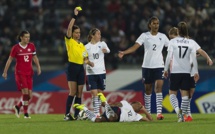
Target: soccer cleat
[(68, 117), (16, 109), (79, 106), (185, 117), (26, 116), (102, 97), (160, 117), (180, 116), (188, 119)]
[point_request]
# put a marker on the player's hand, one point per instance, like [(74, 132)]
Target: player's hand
[(4, 75), (196, 77), (209, 62), (104, 50), (120, 54), (76, 11), (165, 74), (38, 71)]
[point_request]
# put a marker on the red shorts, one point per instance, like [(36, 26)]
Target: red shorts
[(24, 81)]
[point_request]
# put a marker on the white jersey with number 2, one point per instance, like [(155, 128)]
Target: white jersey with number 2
[(153, 46)]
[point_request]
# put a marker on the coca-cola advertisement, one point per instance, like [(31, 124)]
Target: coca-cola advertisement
[(54, 102)]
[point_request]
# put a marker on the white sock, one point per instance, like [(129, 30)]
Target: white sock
[(96, 105), (184, 104), (188, 108), (159, 99), (174, 102), (147, 99)]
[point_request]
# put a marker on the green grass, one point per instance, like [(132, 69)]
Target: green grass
[(54, 124)]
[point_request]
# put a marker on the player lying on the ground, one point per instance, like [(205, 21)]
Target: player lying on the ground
[(118, 112)]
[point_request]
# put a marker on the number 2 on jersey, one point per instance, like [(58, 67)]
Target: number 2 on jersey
[(185, 51)]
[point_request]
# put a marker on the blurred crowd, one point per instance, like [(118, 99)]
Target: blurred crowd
[(120, 22)]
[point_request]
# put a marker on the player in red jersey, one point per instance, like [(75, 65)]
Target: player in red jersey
[(24, 52)]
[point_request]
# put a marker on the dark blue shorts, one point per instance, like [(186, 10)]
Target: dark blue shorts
[(75, 72), (97, 81), (192, 83), (150, 75), (180, 81)]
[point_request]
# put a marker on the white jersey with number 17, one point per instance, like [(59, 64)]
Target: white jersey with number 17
[(153, 46), (181, 49)]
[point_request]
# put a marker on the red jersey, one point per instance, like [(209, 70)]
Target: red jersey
[(23, 57)]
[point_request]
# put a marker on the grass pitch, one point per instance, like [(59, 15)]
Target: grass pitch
[(54, 124)]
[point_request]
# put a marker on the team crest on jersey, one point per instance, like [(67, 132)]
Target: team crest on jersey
[(160, 38), (20, 50), (99, 46), (29, 49)]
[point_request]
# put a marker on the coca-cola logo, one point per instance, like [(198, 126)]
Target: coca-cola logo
[(38, 104), (54, 102)]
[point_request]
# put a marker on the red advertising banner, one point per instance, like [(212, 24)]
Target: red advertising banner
[(54, 102)]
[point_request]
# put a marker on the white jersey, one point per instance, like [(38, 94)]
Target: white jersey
[(96, 56), (153, 46), (181, 49), (128, 114), (197, 47)]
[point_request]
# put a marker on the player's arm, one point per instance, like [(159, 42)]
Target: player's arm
[(88, 62), (37, 63), (117, 104), (129, 50), (71, 23), (4, 75), (195, 66), (148, 116), (167, 63), (205, 55)]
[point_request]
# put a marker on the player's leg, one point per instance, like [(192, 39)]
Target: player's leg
[(93, 82), (89, 113), (108, 110), (189, 115), (147, 80), (72, 92), (159, 98), (191, 92), (174, 87), (158, 76), (72, 78), (185, 88), (101, 87), (25, 102), (80, 83)]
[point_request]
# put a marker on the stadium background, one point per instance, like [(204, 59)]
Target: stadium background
[(120, 22)]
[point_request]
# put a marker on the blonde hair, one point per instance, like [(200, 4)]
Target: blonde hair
[(173, 31)]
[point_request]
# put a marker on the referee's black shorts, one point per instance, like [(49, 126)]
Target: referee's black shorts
[(75, 72)]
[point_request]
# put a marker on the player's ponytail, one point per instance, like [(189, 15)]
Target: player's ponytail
[(21, 34), (183, 30)]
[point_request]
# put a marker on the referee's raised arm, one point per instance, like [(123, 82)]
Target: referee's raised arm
[(71, 23)]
